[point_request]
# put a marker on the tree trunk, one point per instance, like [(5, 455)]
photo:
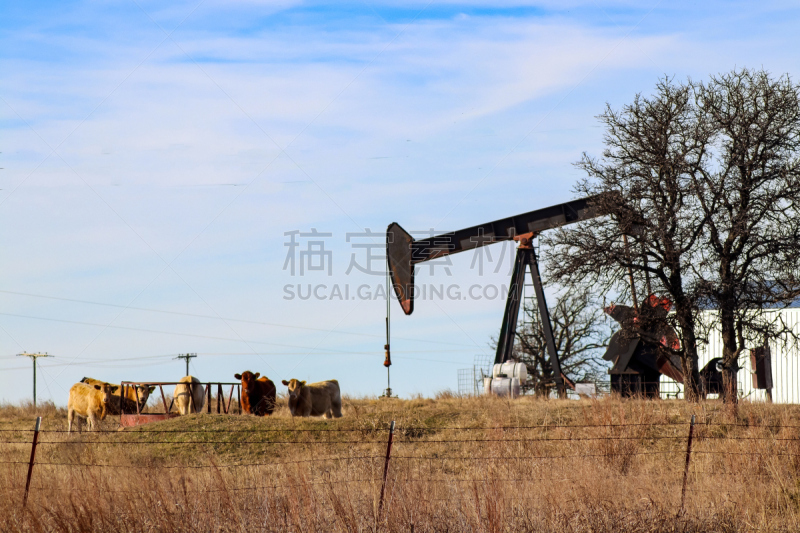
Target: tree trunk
[(692, 391), (685, 315), (691, 373), (730, 358)]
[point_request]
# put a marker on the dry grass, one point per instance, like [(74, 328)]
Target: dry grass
[(619, 467)]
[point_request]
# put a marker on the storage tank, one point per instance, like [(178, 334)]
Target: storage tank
[(504, 387), (506, 379), (511, 369)]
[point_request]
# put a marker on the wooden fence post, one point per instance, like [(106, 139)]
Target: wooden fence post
[(33, 456), (386, 466), (686, 468)]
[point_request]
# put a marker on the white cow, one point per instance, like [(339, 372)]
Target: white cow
[(183, 399), (91, 402)]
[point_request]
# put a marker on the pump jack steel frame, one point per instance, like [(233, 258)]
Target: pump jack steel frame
[(526, 257), (403, 252)]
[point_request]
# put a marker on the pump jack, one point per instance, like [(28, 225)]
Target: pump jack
[(403, 252)]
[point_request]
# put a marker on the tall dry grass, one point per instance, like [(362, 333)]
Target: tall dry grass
[(527, 465)]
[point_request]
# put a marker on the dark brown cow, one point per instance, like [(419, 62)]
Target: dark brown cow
[(258, 395)]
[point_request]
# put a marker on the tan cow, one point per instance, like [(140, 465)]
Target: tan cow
[(314, 399), (90, 402), (130, 396), (183, 400)]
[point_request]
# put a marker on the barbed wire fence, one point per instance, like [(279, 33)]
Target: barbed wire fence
[(420, 455)]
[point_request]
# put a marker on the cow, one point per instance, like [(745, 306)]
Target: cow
[(314, 399), (258, 395), (90, 402), (129, 404), (182, 398)]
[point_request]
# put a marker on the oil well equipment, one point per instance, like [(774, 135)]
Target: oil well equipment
[(635, 352), (403, 253)]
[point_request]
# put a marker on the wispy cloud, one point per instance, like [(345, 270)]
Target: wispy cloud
[(402, 108)]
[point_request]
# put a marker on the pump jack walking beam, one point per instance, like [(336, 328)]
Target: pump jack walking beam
[(403, 252)]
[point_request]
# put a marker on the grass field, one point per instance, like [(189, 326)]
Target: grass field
[(458, 464)]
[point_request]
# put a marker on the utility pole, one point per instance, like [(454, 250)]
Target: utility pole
[(187, 356), (33, 356)]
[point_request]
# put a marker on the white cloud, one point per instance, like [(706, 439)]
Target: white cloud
[(381, 129)]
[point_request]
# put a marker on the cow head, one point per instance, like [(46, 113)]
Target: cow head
[(144, 393), (294, 387), (248, 380), (107, 391)]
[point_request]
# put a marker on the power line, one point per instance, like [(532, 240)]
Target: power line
[(115, 362), (163, 332), (195, 315)]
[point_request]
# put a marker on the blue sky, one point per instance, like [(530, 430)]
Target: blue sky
[(154, 155)]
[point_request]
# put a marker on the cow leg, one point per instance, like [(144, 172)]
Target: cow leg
[(180, 400), (70, 418), (336, 407), (91, 421)]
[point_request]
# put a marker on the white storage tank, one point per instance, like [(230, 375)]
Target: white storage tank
[(511, 369), (502, 386), (506, 379)]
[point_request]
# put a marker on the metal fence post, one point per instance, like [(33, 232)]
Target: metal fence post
[(30, 464), (686, 468), (386, 466)]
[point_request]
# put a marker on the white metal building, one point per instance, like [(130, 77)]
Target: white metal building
[(785, 365)]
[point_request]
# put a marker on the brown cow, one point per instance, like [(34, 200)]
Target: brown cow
[(314, 399), (258, 395), (90, 402), (129, 403)]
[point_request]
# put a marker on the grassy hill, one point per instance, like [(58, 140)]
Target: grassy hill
[(458, 464)]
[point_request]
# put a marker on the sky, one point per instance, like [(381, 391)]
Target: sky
[(215, 177)]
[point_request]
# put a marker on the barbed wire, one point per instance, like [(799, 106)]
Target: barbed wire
[(395, 458), (192, 467), (193, 491), (339, 430), (400, 428), (400, 440)]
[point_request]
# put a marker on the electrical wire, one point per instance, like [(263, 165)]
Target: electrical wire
[(244, 321)]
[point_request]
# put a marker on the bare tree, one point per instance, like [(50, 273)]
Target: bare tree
[(701, 182), (748, 193), (645, 181), (580, 337)]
